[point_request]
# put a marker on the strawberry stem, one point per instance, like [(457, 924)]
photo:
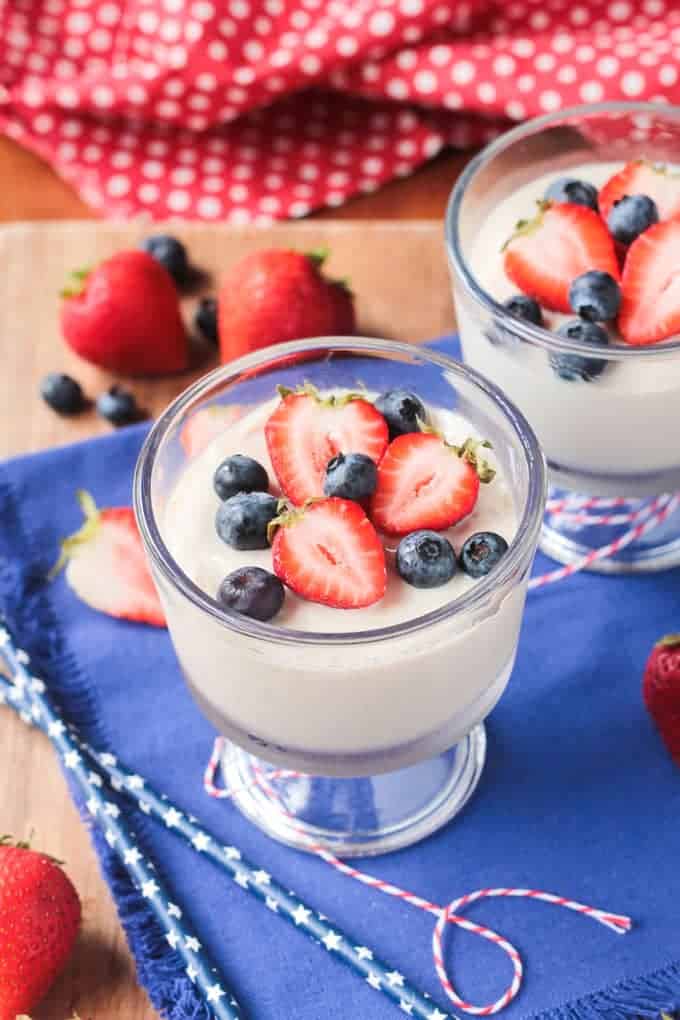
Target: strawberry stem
[(669, 641), (309, 389), (76, 284), (70, 545), (318, 256), (468, 451), (525, 227)]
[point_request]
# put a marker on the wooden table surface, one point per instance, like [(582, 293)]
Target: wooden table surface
[(408, 298)]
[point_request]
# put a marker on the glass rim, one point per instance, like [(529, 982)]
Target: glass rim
[(525, 538), (538, 335)]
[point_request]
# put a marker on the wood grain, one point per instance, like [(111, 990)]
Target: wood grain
[(398, 271)]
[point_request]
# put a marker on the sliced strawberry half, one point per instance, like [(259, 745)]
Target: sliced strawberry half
[(106, 566), (643, 178), (307, 430), (206, 424), (329, 552), (650, 290), (423, 482), (547, 253)]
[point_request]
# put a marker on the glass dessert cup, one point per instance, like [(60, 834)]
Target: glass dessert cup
[(611, 436), (376, 737)]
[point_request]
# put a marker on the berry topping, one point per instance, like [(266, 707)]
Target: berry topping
[(350, 476), (424, 482), (124, 315), (524, 307), (650, 303), (481, 552), (242, 521), (106, 566), (563, 241), (329, 552), (570, 189), (402, 410), (118, 406), (307, 430), (205, 319), (171, 254), (576, 366), (643, 178), (239, 473), (425, 559), (252, 592), (630, 216), (661, 691), (595, 296), (62, 393)]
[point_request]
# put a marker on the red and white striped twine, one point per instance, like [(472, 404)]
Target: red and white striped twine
[(575, 512), (618, 923)]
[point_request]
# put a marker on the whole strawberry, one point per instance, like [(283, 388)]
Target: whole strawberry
[(39, 921), (661, 691), (272, 296), (124, 316)]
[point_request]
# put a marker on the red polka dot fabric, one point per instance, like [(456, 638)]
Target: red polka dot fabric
[(250, 110)]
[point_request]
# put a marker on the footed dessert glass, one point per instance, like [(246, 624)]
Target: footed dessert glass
[(366, 741), (610, 442)]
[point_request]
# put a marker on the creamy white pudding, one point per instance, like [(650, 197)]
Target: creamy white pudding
[(618, 429), (392, 700)]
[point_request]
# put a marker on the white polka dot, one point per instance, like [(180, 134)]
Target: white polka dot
[(381, 23), (170, 30), (352, 18), (109, 14), (280, 58), (310, 64), (562, 43), (136, 94), (79, 23), (67, 151), (397, 88), (121, 160), (550, 100), (515, 110), (545, 62), (406, 148), (209, 207), (668, 74), (346, 46), (462, 72), (411, 7), (65, 69), (74, 47), (67, 96), (504, 65), (273, 182), (584, 54), (425, 81), (579, 16), (177, 57), (199, 102), (148, 21), (242, 172), (316, 38), (274, 7), (526, 83), (238, 193), (239, 8), (92, 153), (71, 129), (297, 209), (648, 59), (102, 96), (193, 31), (148, 192), (432, 145), (406, 59), (100, 40), (203, 10), (453, 100), (303, 190), (237, 95), (217, 50), (619, 11), (373, 165), (118, 185), (653, 7), (253, 50), (632, 83), (412, 33), (591, 92), (567, 74), (168, 108), (523, 48), (213, 184), (152, 168), (178, 201), (539, 20), (289, 40), (607, 66), (43, 123), (486, 92), (269, 204), (227, 27)]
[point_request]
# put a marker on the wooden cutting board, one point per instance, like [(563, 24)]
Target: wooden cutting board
[(398, 272)]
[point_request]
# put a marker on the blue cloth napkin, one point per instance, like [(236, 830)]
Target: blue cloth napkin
[(578, 796)]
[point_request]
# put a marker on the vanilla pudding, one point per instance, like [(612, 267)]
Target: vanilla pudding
[(615, 434)]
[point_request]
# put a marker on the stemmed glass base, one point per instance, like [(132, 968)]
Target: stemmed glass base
[(356, 817), (569, 536)]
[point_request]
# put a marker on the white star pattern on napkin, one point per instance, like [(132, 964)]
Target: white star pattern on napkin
[(149, 889), (215, 993), (374, 980), (174, 911), (132, 856), (363, 953), (201, 841), (171, 817), (193, 944), (301, 915), (332, 941), (395, 979)]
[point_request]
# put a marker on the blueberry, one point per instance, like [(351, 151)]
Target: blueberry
[(595, 296), (523, 307), (574, 366), (630, 216), (401, 409), (426, 559), (239, 473), (350, 476), (481, 552), (62, 393), (253, 592), (570, 189), (171, 253), (242, 520), (118, 406), (205, 319)]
